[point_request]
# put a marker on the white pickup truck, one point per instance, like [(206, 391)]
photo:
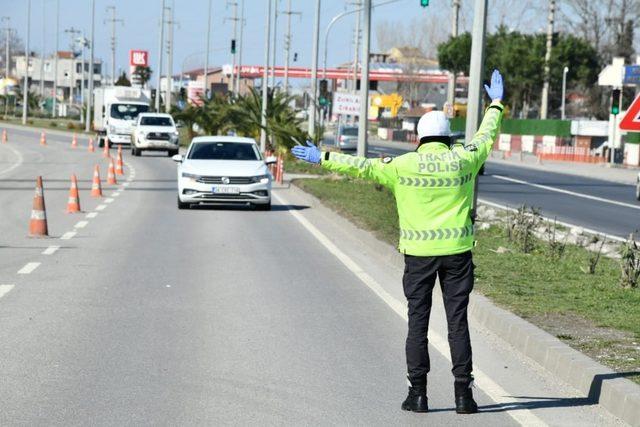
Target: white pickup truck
[(154, 132)]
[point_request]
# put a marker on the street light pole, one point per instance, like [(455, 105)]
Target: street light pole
[(240, 46), (476, 68), (265, 85), (25, 89), (87, 126), (206, 53), (451, 92), (7, 36), (160, 55), (544, 103), (356, 50), (287, 46), (113, 21), (44, 34), (54, 107), (233, 54), (564, 90), (170, 23), (275, 45), (364, 82), (314, 71)]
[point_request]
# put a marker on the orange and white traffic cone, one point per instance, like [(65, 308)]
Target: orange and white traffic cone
[(74, 141), (105, 152), (38, 224), (96, 188), (119, 162), (73, 204), (4, 136), (111, 173), (43, 138), (91, 147)]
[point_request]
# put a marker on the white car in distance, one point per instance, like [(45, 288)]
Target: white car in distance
[(224, 170), (155, 132)]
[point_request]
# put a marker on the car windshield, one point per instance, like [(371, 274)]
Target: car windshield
[(224, 151), (155, 121), (350, 131), (127, 111)]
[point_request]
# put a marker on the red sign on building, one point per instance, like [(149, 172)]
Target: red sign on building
[(138, 58)]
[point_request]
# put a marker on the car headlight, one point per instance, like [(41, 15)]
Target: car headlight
[(262, 179), (190, 176)]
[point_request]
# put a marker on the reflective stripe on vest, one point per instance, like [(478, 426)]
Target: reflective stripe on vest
[(435, 182), (439, 234)]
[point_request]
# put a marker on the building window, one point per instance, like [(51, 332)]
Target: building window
[(78, 68), (47, 67), (97, 68)]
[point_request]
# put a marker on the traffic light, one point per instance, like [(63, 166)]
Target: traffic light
[(324, 87), (615, 102), (424, 3), (233, 46), (295, 56)]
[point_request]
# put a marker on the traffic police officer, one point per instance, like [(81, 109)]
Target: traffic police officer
[(433, 187)]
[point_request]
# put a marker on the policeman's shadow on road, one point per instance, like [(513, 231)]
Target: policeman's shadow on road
[(537, 402), (230, 207)]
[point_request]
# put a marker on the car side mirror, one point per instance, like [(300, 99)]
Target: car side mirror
[(271, 160), (178, 158)]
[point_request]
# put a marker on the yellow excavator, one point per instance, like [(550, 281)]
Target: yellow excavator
[(380, 103)]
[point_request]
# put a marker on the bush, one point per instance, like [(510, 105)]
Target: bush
[(71, 126), (630, 264), (53, 124)]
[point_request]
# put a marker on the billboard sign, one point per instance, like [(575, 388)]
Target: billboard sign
[(139, 58), (346, 103)]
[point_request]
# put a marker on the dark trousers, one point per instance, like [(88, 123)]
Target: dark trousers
[(456, 281)]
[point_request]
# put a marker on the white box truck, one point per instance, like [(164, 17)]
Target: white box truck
[(116, 110)]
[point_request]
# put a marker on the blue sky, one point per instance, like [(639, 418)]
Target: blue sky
[(141, 17)]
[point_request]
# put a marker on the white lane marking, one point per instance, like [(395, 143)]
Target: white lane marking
[(126, 184), (524, 416), (116, 194), (68, 235), (16, 164), (29, 267), (81, 224), (92, 215), (50, 250), (108, 200), (101, 207), (565, 224), (4, 289), (571, 193)]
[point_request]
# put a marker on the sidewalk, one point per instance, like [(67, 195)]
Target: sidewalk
[(597, 171)]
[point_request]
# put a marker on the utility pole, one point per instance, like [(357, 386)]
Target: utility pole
[(72, 33), (113, 21), (265, 76), (275, 45), (160, 55), (356, 49), (240, 46), (7, 36), (547, 58), (314, 72), (44, 26), (287, 45), (235, 20), (206, 53), (25, 88), (476, 68), (83, 43), (54, 107), (451, 91), (171, 22), (364, 82), (91, 59)]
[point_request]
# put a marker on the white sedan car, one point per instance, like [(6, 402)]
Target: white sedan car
[(155, 132), (224, 170)]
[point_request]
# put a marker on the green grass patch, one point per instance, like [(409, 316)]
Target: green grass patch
[(535, 285), (292, 165), (59, 123)]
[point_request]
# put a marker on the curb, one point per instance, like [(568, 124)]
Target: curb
[(59, 132), (597, 383)]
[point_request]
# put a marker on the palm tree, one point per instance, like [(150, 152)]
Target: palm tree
[(143, 73)]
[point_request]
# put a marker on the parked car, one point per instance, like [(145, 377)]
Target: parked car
[(224, 170), (347, 138), (155, 132)]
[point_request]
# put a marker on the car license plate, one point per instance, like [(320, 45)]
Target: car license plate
[(226, 190)]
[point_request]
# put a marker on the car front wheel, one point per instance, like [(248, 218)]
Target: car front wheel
[(183, 205)]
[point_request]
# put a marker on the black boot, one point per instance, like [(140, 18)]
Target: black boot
[(416, 401), (464, 396)]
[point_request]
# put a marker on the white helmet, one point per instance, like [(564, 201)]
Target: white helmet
[(433, 123)]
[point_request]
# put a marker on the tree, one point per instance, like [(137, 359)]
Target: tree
[(16, 48), (455, 54), (143, 74), (122, 80)]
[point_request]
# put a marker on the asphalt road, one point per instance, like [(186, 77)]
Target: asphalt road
[(605, 206), (152, 316)]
